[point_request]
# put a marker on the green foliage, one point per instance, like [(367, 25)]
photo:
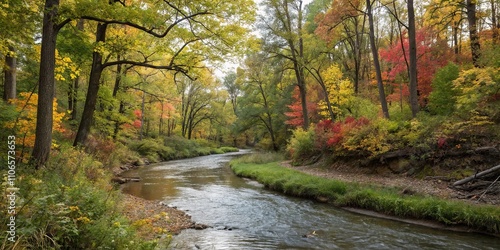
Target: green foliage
[(70, 205), (385, 200), (362, 107), (175, 147), (442, 97), (301, 146)]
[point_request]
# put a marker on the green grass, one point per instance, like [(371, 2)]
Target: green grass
[(390, 201)]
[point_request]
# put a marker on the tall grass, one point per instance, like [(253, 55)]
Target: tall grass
[(390, 201)]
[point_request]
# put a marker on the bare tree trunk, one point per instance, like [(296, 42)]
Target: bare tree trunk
[(93, 89), (475, 46), (413, 60), (10, 75), (46, 86), (376, 62)]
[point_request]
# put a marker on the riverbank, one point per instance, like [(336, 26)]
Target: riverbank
[(400, 198)]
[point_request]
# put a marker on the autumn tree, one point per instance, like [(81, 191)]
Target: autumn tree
[(412, 69), (193, 22), (284, 27), (19, 20), (340, 91), (451, 13), (344, 25), (432, 53), (232, 88), (376, 62)]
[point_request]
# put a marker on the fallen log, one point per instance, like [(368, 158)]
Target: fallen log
[(478, 175)]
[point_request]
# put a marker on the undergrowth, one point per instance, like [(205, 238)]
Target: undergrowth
[(68, 204)]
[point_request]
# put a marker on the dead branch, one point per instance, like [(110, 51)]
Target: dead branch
[(478, 175)]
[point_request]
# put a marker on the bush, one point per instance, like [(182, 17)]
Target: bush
[(442, 97), (301, 146), (475, 88)]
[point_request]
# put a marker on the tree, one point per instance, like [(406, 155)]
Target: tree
[(196, 98), (432, 53), (18, 20), (344, 24), (233, 88), (376, 62), (46, 86), (189, 22), (285, 25), (413, 59), (340, 91), (475, 46), (265, 95)]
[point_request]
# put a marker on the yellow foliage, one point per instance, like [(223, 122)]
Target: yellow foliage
[(340, 91), (25, 125), (474, 86), (64, 65)]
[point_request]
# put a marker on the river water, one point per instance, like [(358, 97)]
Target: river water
[(244, 215)]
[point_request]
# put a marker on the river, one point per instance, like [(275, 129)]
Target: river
[(244, 215)]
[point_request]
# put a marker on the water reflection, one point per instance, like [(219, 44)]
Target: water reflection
[(244, 215)]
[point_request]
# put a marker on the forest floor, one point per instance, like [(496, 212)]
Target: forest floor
[(427, 186)]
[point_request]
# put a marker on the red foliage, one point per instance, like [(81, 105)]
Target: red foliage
[(330, 133), (295, 117), (441, 142), (137, 123), (395, 96), (138, 113), (432, 54)]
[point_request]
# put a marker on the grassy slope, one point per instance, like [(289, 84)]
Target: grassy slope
[(485, 218)]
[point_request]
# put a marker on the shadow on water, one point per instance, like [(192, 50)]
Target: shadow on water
[(244, 215)]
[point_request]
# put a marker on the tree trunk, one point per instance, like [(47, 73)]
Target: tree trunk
[(93, 89), (10, 73), (376, 62), (46, 86), (73, 88), (475, 46), (413, 60), (494, 22)]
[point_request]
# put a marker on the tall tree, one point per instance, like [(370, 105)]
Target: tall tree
[(475, 46), (413, 59), (262, 106), (46, 86), (233, 88), (285, 25), (376, 62), (196, 98)]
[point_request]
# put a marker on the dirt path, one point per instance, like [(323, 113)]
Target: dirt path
[(429, 186)]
